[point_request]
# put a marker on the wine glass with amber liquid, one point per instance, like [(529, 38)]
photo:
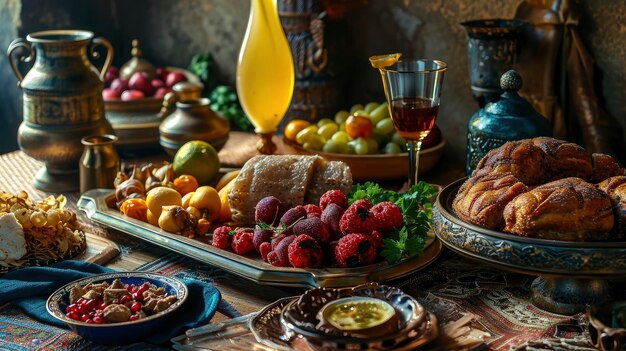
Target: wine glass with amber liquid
[(413, 90)]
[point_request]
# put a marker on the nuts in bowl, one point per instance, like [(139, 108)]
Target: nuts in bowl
[(117, 308)]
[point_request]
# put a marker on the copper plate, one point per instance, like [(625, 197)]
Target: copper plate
[(94, 204)]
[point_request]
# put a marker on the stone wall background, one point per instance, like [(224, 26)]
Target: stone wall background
[(171, 32)]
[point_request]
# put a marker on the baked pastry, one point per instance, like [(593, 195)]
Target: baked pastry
[(481, 199), (615, 187), (522, 159), (567, 209), (293, 179), (604, 167), (565, 159)]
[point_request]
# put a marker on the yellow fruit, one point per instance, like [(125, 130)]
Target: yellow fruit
[(382, 61), (162, 196), (226, 178), (207, 198), (294, 127), (152, 219), (199, 159), (225, 213), (186, 199)]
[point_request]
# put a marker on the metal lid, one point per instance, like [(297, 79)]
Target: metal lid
[(510, 103)]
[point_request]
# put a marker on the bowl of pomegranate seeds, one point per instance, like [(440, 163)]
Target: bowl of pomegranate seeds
[(117, 308)]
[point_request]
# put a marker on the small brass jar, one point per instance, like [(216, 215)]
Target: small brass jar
[(99, 163), (193, 120)]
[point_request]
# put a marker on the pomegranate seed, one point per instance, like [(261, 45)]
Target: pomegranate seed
[(68, 315), (102, 305), (145, 285), (71, 308), (90, 305), (134, 317), (84, 317), (82, 308), (135, 307), (75, 316), (97, 320), (80, 301), (90, 321), (125, 299), (137, 296)]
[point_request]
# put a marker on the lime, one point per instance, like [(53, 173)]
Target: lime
[(197, 158)]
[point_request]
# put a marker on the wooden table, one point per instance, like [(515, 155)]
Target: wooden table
[(492, 302)]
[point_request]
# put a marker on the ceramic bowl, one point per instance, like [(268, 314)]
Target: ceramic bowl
[(125, 332), (378, 167), (302, 317), (607, 326)]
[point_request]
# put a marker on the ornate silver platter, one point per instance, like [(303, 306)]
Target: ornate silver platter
[(571, 274), (94, 204)]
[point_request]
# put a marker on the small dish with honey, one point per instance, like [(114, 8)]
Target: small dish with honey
[(360, 316)]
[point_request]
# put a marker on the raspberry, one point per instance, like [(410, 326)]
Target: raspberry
[(268, 210), (313, 227), (355, 250), (265, 249), (377, 239), (260, 236), (221, 237), (305, 252), (242, 243), (312, 211), (387, 215), (357, 218), (333, 197)]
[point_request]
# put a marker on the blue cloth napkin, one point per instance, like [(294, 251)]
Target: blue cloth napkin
[(29, 288)]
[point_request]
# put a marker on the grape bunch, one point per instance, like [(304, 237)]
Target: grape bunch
[(362, 130)]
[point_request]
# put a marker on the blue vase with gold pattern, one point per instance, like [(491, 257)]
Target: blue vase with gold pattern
[(508, 119)]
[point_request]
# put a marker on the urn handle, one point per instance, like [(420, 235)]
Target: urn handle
[(107, 62), (15, 44)]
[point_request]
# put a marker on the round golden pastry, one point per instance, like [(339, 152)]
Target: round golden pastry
[(481, 199), (566, 209), (541, 187)]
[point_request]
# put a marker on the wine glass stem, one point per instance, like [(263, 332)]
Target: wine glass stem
[(414, 148)]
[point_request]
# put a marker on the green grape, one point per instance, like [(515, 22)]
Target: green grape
[(380, 139), (328, 130), (392, 148), (396, 138), (360, 146), (360, 113), (380, 112), (314, 142), (332, 147), (342, 127), (341, 137), (344, 148), (372, 146), (355, 108), (371, 106), (384, 126), (350, 150), (324, 121), (305, 134), (341, 116)]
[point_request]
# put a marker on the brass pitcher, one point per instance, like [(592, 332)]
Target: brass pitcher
[(99, 163), (62, 101)]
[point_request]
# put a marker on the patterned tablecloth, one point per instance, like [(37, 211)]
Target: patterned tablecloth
[(451, 287)]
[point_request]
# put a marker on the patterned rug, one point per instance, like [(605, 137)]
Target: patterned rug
[(19, 332), (454, 286)]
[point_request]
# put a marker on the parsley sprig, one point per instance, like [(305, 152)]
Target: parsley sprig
[(416, 209)]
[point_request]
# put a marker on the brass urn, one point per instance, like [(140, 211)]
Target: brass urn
[(62, 101), (193, 120)]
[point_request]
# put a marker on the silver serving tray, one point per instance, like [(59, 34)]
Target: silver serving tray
[(94, 204)]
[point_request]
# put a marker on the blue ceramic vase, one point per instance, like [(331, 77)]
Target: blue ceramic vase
[(508, 119)]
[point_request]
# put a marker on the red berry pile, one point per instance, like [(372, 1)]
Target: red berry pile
[(140, 85), (309, 236)]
